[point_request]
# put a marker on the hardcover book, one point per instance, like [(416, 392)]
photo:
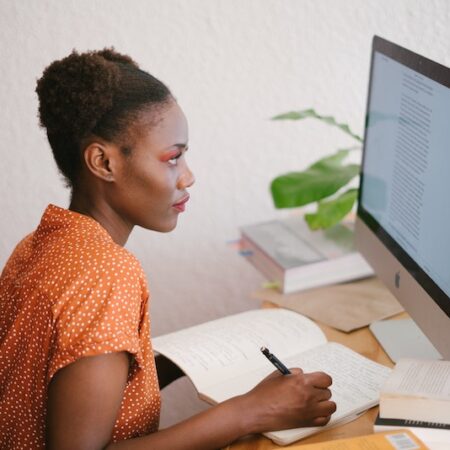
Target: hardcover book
[(289, 254), (428, 432)]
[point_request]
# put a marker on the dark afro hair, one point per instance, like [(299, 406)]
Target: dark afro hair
[(96, 93)]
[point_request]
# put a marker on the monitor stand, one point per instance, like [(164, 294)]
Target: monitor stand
[(402, 338)]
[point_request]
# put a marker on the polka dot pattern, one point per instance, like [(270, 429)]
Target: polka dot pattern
[(68, 291)]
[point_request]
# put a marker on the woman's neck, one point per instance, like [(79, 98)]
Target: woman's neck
[(98, 209)]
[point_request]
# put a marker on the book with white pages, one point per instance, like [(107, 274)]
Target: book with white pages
[(296, 258), (223, 359), (417, 389)]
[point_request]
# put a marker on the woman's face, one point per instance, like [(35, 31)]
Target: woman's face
[(151, 186)]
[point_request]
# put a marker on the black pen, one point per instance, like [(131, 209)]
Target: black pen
[(275, 361)]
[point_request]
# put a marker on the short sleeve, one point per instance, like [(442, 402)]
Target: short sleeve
[(101, 312)]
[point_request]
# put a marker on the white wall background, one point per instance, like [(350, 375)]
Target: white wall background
[(232, 64)]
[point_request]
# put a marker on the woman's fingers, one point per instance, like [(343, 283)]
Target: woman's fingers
[(325, 408), (277, 373), (320, 421), (323, 394), (320, 379), (289, 401)]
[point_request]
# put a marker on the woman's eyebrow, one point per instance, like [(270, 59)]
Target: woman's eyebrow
[(181, 146)]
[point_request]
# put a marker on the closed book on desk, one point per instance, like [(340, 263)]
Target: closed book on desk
[(288, 253), (223, 359), (428, 432), (417, 390)]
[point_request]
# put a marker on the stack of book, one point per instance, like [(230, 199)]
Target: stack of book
[(416, 396), (295, 258)]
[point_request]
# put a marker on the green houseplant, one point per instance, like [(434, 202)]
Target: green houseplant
[(323, 182)]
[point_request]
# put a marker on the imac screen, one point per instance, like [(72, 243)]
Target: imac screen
[(405, 181)]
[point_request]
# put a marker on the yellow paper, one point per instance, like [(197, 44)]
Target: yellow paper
[(390, 440)]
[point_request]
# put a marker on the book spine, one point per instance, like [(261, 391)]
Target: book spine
[(428, 434), (381, 423)]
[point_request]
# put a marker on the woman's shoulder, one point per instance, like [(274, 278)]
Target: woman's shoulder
[(20, 252), (96, 277), (65, 258), (108, 260), (124, 260)]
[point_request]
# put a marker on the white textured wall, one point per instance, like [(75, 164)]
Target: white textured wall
[(232, 64)]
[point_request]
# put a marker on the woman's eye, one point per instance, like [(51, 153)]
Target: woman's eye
[(173, 161)]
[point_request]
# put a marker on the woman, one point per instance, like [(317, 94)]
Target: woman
[(77, 369)]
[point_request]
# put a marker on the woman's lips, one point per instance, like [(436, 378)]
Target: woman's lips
[(181, 205)]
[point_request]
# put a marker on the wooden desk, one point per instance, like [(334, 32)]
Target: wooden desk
[(363, 342)]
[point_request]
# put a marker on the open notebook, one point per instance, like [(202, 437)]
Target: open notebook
[(223, 359)]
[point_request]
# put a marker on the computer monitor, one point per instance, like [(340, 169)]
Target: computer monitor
[(403, 218)]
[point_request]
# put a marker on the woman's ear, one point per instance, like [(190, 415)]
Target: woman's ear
[(100, 159)]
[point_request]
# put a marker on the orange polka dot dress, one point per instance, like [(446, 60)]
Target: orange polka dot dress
[(68, 291)]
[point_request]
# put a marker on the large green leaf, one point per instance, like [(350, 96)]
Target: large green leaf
[(331, 161), (320, 180), (307, 113), (331, 212)]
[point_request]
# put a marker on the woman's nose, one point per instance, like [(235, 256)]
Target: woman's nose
[(186, 179)]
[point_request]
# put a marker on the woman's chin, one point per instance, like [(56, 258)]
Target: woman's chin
[(162, 227)]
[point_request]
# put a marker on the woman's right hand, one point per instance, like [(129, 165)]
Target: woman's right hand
[(289, 401)]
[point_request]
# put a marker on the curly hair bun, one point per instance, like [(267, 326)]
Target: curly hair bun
[(111, 55), (97, 93), (76, 91)]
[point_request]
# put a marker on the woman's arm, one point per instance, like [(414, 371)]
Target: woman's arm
[(83, 402), (84, 399)]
